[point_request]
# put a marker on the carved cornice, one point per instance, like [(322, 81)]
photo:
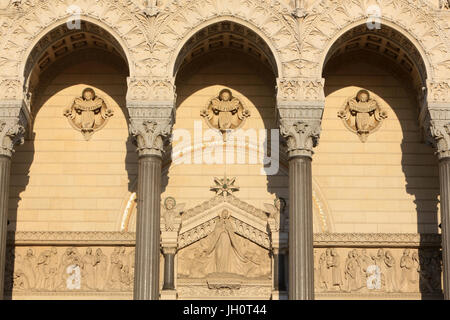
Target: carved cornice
[(23, 238), (362, 240), (368, 240)]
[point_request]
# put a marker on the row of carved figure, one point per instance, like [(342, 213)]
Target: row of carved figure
[(378, 270), (63, 269)]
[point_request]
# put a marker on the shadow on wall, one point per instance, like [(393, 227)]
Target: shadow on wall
[(24, 157), (419, 165)]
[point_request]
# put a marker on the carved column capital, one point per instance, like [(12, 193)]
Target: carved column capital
[(151, 135), (302, 136), (300, 104), (150, 102), (440, 131)]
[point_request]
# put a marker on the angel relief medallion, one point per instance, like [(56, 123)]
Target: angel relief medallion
[(225, 113), (88, 113), (362, 115)]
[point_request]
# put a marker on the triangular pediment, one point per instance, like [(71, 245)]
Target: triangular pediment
[(248, 221)]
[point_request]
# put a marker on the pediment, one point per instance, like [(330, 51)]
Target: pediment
[(248, 221)]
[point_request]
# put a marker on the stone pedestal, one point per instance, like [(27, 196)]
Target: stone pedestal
[(301, 258), (146, 282), (5, 167), (444, 176)]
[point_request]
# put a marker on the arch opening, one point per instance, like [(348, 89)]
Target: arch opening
[(226, 35), (385, 42), (62, 42)]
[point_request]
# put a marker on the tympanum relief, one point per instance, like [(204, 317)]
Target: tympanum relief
[(223, 254), (362, 115), (225, 113), (88, 113)]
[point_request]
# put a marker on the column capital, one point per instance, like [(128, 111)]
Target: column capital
[(440, 131), (302, 136), (300, 105), (151, 135)]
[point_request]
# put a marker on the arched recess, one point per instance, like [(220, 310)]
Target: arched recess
[(61, 65), (393, 167), (34, 21), (328, 21), (270, 21)]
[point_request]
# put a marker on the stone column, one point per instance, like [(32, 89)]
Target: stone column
[(11, 133), (150, 103), (277, 224), (300, 106), (440, 130), (170, 228)]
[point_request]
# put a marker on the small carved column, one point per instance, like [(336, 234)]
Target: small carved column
[(11, 134), (151, 113), (170, 228), (279, 241), (300, 107)]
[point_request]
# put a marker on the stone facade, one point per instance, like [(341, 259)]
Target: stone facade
[(110, 117)]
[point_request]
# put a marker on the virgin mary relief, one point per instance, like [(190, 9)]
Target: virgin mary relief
[(224, 252)]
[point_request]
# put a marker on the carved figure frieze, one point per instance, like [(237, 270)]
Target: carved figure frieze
[(225, 113), (88, 113), (71, 269), (277, 215), (362, 115), (382, 270)]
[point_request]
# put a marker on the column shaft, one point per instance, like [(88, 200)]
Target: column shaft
[(169, 271), (444, 176), (146, 280), (5, 165), (301, 256)]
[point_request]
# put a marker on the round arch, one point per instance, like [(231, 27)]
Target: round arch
[(329, 21), (390, 32), (271, 22), (38, 21)]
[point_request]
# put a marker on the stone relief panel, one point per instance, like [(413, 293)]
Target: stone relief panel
[(223, 254), (362, 115), (225, 113), (378, 270), (88, 113), (69, 269)]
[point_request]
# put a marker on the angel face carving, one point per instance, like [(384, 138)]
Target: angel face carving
[(88, 113), (362, 115), (225, 113)]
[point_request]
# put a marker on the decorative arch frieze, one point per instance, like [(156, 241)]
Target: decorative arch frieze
[(327, 21)]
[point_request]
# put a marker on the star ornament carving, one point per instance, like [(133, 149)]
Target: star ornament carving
[(224, 186)]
